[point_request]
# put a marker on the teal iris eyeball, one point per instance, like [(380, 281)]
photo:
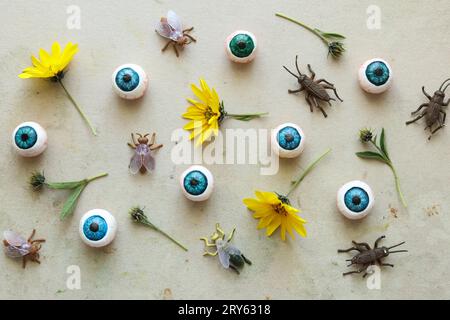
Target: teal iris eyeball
[(355, 200), (98, 228), (375, 76), (197, 183), (288, 140), (241, 46), (29, 139), (130, 81)]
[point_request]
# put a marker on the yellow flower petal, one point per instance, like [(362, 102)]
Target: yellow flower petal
[(274, 224)]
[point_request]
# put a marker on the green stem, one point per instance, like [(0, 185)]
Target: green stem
[(78, 107), (381, 152), (303, 25), (148, 223), (96, 177), (308, 170), (245, 116), (397, 185)]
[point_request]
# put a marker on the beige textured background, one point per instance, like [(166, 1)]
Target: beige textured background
[(141, 263)]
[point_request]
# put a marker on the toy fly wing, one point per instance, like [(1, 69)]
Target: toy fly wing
[(169, 27), (142, 158), (15, 242), (148, 161)]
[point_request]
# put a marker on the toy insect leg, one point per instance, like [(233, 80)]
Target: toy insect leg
[(445, 104), (331, 86), (235, 269), (435, 130), (348, 250), (133, 139), (131, 146), (32, 235), (188, 30), (166, 46), (423, 105), (220, 231), (24, 262), (231, 235), (190, 37), (362, 245), (445, 116), (175, 49), (38, 241), (378, 241), (212, 254), (417, 118), (246, 260), (313, 74), (384, 264), (319, 106), (425, 93), (158, 146), (297, 91), (308, 99), (207, 242), (364, 268)]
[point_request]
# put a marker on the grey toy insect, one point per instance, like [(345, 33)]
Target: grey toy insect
[(229, 255), (316, 90), (433, 113), (18, 247), (368, 256), (142, 159)]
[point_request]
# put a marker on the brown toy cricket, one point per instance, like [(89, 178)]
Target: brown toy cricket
[(368, 256), (143, 159), (171, 29), (315, 89), (18, 247), (433, 113)]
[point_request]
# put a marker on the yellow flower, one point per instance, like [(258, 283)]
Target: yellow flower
[(274, 211), (205, 114), (50, 65)]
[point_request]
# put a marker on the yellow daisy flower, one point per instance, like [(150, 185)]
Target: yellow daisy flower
[(207, 113), (274, 211), (52, 66)]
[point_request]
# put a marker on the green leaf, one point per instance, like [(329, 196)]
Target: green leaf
[(64, 185), (371, 155), (71, 202), (383, 143)]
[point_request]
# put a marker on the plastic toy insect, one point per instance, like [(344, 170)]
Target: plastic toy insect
[(433, 109), (368, 256), (143, 160), (171, 29), (18, 247), (229, 255), (315, 89)]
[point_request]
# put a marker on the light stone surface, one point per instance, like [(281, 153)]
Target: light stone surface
[(141, 263)]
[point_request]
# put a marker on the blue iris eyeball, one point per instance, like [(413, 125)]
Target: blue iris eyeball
[(241, 46), (98, 228), (355, 199), (375, 76), (197, 183), (29, 139), (288, 140), (130, 81)]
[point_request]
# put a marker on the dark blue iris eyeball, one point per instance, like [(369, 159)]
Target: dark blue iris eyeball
[(29, 139), (98, 228), (355, 199), (375, 76), (197, 183), (289, 138), (95, 228), (130, 81), (127, 79), (25, 137)]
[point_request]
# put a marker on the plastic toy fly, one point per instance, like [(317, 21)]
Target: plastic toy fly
[(18, 247), (142, 159)]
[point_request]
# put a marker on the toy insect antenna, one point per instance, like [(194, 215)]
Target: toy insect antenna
[(440, 89), (397, 246), (296, 66)]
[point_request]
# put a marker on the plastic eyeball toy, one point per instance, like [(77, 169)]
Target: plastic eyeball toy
[(241, 46), (98, 228), (29, 139), (375, 76), (197, 183), (130, 81), (355, 200), (288, 140)]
